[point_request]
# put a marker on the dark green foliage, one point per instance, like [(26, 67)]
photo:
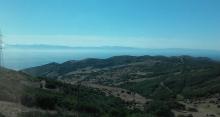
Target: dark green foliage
[(91, 102), (146, 88), (40, 98), (46, 101), (159, 109), (1, 115), (193, 78), (162, 93)]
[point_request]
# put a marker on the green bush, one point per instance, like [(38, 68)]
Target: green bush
[(1, 115), (91, 102), (159, 109)]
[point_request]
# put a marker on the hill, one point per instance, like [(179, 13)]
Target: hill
[(22, 95), (12, 84), (169, 85)]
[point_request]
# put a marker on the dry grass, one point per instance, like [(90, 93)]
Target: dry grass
[(11, 86), (124, 94), (204, 107)]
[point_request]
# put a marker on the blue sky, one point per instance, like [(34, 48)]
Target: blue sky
[(134, 23)]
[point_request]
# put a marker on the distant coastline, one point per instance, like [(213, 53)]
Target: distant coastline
[(23, 56)]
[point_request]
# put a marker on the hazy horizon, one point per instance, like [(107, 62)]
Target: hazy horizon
[(23, 56), (130, 23)]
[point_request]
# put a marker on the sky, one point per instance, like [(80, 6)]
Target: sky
[(191, 24)]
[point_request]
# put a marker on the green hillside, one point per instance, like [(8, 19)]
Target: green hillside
[(122, 86), (55, 99)]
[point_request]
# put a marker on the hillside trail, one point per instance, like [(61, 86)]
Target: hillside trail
[(127, 96), (166, 87), (124, 94)]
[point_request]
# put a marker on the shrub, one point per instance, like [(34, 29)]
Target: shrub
[(1, 115), (159, 108)]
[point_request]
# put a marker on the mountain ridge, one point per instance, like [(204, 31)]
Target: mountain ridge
[(73, 65), (38, 46)]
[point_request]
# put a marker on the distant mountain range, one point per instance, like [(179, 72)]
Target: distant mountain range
[(42, 46), (214, 54)]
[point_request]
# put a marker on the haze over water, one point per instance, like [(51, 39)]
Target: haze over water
[(23, 57)]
